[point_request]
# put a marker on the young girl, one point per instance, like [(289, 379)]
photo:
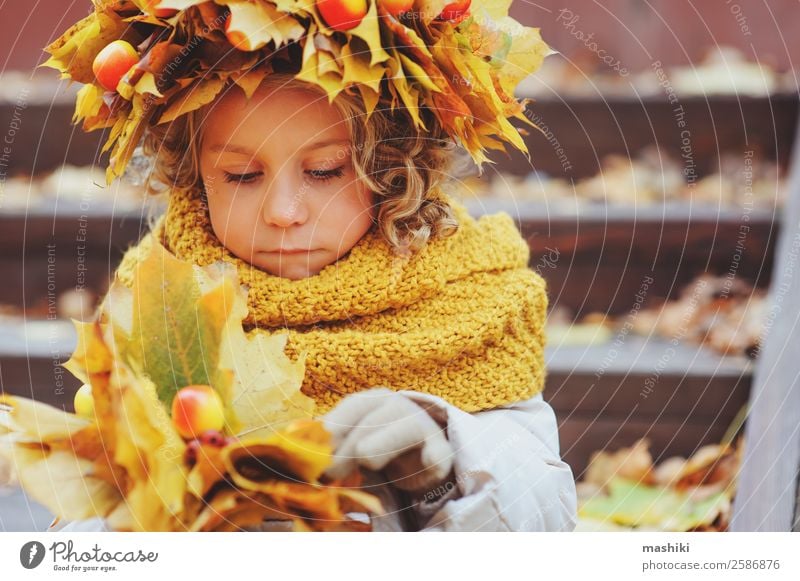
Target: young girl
[(423, 327)]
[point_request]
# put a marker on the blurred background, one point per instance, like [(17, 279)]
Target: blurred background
[(651, 204)]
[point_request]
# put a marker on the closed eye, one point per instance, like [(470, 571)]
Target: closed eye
[(323, 175), (242, 178)]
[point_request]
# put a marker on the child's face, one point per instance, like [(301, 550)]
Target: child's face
[(282, 191)]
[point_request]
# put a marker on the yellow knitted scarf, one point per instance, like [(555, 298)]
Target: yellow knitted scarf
[(462, 319)]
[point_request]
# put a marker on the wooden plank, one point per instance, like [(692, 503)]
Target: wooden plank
[(102, 226), (44, 380), (766, 493), (643, 357), (50, 139), (679, 402), (623, 254), (587, 129), (580, 436), (533, 212), (716, 399), (49, 250), (31, 361)]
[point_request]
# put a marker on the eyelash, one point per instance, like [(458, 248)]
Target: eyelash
[(242, 178), (322, 175), (318, 175)]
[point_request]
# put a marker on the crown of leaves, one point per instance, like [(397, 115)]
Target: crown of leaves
[(462, 65)]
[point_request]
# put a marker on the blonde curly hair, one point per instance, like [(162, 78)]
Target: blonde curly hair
[(402, 165)]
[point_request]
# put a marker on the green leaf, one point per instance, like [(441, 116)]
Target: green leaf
[(631, 504), (175, 338)]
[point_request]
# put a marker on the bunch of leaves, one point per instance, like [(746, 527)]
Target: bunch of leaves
[(624, 490), (179, 324), (463, 72), (129, 465)]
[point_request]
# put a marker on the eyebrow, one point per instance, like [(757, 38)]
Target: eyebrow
[(233, 148)]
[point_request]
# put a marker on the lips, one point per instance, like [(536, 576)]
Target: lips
[(289, 251)]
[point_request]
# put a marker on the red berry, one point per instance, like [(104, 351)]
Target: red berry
[(197, 408), (455, 11), (212, 438), (192, 449)]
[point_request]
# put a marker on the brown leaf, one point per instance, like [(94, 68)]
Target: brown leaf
[(196, 95), (632, 463), (250, 79)]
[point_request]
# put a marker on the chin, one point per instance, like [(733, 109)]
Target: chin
[(292, 271), (294, 275)]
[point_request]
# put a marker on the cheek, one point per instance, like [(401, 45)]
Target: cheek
[(233, 223), (352, 213)]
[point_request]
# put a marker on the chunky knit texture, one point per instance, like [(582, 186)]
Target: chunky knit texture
[(462, 319)]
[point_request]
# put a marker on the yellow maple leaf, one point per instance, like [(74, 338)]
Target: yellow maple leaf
[(255, 24), (40, 442), (88, 102), (63, 483), (30, 421), (74, 51), (406, 93), (91, 355), (370, 97), (265, 394), (299, 453), (357, 68), (309, 72), (200, 92), (369, 31)]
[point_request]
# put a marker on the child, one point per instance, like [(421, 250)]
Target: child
[(423, 327)]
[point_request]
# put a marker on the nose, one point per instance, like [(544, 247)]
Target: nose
[(285, 203)]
